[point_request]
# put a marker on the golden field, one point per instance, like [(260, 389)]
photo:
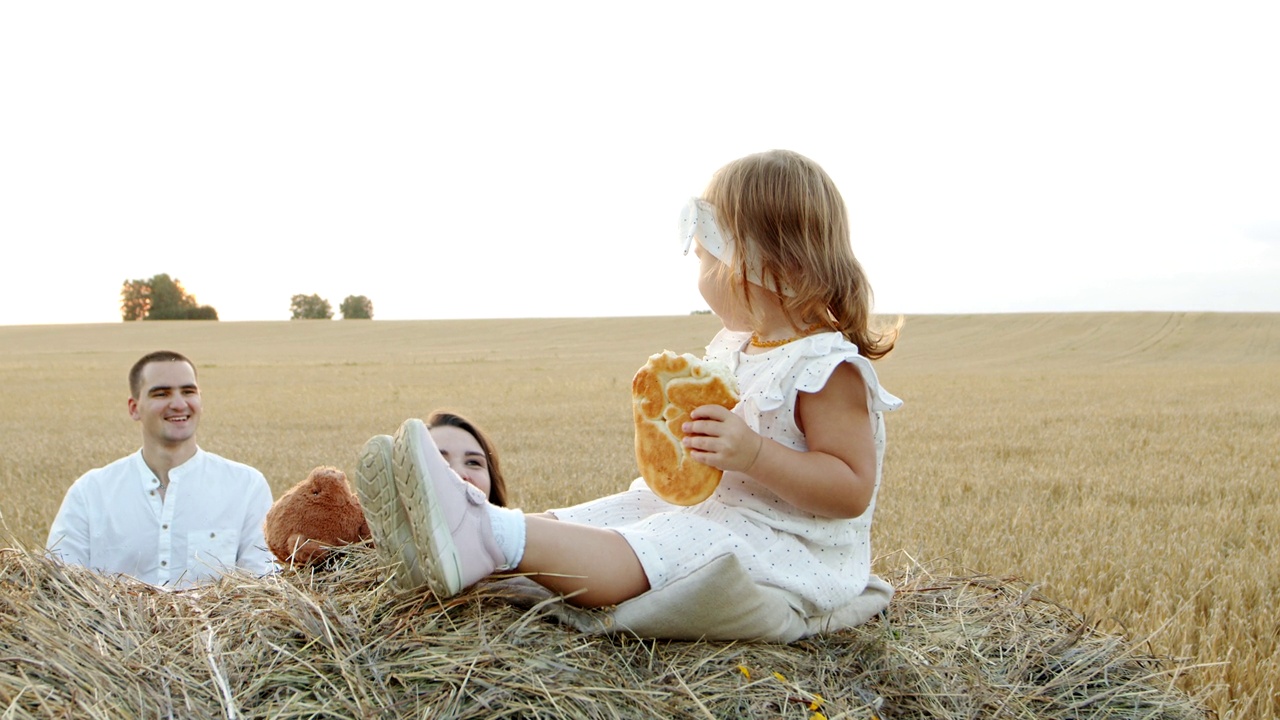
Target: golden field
[(1125, 463)]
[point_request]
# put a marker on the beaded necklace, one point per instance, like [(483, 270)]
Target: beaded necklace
[(757, 342)]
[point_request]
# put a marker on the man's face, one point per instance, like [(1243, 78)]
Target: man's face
[(168, 404)]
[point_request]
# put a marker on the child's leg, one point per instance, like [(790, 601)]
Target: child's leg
[(454, 544), (568, 558)]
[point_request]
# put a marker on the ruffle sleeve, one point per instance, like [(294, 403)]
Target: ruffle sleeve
[(817, 356)]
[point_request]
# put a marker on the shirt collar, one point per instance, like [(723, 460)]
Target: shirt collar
[(187, 468)]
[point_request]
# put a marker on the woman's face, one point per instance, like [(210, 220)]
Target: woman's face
[(464, 454)]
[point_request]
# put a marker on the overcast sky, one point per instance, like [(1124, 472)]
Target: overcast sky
[(531, 159)]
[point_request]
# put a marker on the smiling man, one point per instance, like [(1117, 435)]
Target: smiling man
[(171, 514)]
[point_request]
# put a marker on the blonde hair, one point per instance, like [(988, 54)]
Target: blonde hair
[(788, 218)]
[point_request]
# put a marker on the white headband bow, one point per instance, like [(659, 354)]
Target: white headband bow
[(698, 221)]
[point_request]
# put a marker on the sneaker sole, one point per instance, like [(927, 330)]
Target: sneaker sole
[(392, 535), (437, 554)]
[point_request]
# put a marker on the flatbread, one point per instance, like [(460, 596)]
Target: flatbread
[(663, 393)]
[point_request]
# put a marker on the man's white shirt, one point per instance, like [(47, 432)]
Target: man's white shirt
[(114, 520)]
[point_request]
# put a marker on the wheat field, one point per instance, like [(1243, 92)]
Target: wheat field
[(1126, 464)]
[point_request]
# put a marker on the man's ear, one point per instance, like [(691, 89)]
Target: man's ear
[(133, 408)]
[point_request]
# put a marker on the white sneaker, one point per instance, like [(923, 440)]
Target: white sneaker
[(448, 518), (392, 536)]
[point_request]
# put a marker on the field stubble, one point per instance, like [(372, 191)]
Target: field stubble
[(1125, 463)]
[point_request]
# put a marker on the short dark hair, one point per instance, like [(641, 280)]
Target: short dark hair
[(497, 485), (135, 373)]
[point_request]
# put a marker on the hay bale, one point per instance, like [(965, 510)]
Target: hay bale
[(341, 643)]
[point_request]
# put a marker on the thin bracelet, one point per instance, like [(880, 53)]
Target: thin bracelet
[(756, 456)]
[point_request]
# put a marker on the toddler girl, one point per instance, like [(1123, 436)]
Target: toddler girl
[(801, 452)]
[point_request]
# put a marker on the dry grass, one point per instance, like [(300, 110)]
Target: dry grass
[(1125, 464), (340, 644)]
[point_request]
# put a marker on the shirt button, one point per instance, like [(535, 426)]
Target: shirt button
[(164, 563), (212, 535), (164, 526), (153, 492)]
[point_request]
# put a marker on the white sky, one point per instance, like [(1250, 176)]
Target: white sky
[(529, 159)]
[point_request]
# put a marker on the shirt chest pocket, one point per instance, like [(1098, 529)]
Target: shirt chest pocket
[(210, 550)]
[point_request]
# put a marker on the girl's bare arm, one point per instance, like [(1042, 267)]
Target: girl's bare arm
[(834, 478)]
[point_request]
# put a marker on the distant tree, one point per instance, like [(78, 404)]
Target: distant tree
[(135, 300), (169, 300), (203, 312), (161, 298), (310, 307), (357, 307)]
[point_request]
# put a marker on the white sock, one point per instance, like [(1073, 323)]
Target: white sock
[(508, 531)]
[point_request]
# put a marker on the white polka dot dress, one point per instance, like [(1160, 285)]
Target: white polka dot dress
[(825, 562)]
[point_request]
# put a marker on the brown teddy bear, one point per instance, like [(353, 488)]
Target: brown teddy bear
[(316, 514)]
